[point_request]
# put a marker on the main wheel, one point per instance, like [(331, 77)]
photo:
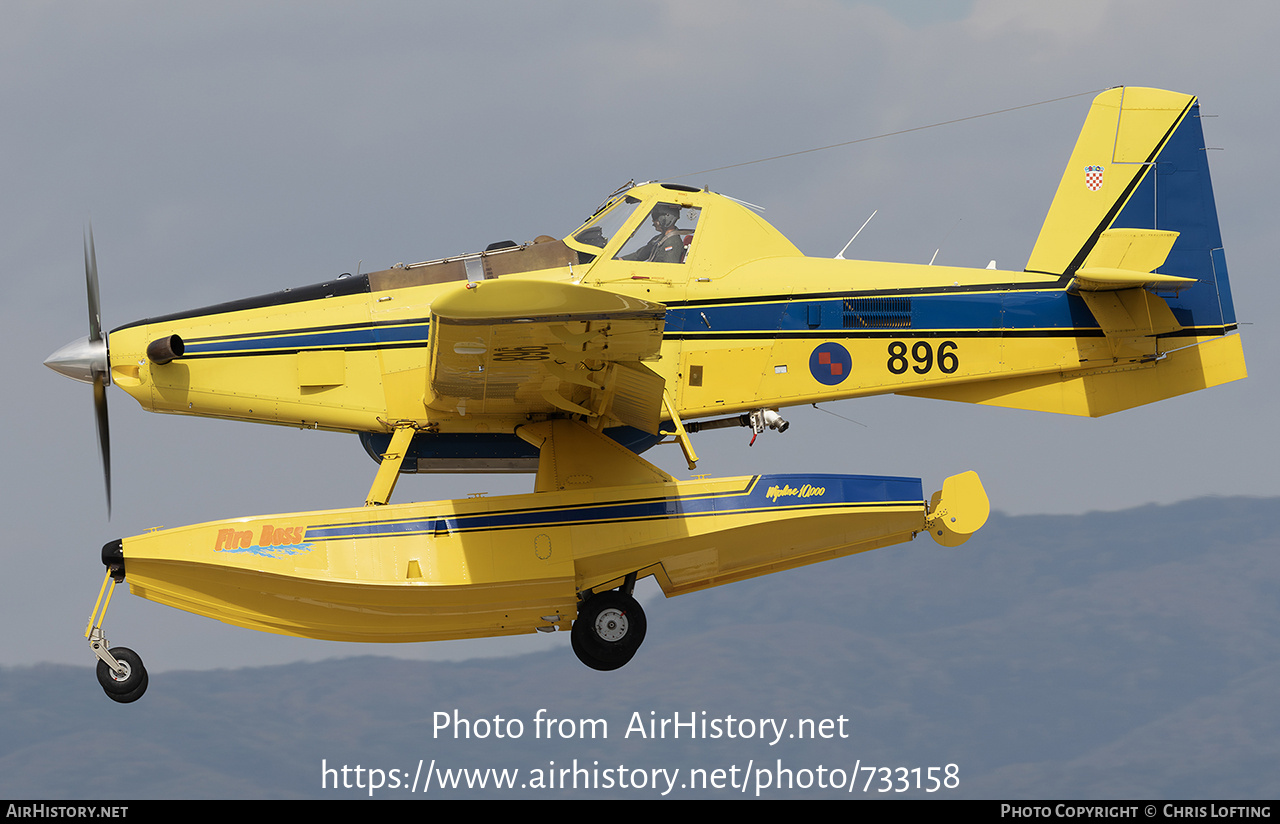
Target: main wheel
[(609, 629), (134, 674), (132, 695)]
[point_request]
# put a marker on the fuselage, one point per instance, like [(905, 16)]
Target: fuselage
[(750, 322)]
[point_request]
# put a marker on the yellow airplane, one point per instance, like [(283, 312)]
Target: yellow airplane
[(671, 309)]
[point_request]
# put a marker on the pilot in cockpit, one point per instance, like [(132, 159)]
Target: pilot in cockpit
[(668, 245)]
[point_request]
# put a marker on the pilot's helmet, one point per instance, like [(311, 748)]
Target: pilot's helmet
[(665, 215)]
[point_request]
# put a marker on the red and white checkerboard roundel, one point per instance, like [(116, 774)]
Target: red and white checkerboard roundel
[(830, 363), (1093, 177)]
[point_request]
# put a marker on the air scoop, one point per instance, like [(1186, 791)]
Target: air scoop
[(165, 350)]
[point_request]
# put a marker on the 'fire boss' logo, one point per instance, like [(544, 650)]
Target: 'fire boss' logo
[(830, 363), (1093, 177), (273, 542)]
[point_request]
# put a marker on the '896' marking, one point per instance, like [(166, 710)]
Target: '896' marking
[(923, 357)]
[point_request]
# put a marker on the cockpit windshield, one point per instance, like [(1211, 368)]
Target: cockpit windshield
[(598, 232)]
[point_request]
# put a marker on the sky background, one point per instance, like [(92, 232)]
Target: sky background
[(231, 149)]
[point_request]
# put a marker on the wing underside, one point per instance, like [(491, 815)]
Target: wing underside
[(504, 347)]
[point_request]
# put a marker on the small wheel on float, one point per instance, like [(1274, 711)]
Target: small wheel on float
[(132, 676), (609, 629)]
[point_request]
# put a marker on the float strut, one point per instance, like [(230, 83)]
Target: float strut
[(384, 483)]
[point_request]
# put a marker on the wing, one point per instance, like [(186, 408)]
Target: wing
[(536, 347)]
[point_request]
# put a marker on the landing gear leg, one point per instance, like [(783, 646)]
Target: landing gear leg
[(120, 671), (609, 629)]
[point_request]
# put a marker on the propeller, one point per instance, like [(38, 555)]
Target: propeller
[(87, 361)]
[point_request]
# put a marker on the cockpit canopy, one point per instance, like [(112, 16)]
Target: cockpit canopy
[(664, 236), (669, 223), (656, 224)]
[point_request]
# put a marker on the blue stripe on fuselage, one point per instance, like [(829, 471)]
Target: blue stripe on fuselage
[(1021, 309), (941, 313), (973, 312), (350, 338)]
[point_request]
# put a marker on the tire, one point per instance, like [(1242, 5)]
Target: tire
[(609, 629), (135, 673), (134, 695)]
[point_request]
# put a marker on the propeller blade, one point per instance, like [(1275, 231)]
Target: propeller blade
[(104, 436), (91, 284), (88, 361), (100, 375)]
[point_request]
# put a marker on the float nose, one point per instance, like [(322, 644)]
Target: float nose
[(80, 360)]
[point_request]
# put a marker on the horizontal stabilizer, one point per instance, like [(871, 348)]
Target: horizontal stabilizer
[(1105, 280), (1128, 258), (1137, 250)]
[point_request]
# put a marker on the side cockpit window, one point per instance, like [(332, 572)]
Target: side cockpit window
[(664, 237), (598, 232)]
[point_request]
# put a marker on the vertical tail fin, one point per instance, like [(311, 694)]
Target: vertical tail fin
[(1140, 163), (1135, 197)]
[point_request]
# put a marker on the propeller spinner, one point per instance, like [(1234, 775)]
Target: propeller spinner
[(86, 360)]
